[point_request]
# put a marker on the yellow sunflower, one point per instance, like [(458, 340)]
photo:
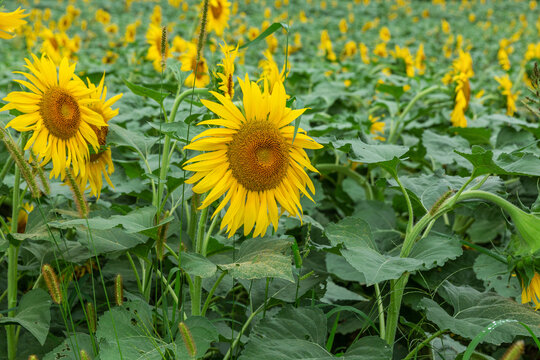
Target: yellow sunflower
[(218, 16), (226, 82), (9, 21), (155, 53), (253, 159), (57, 111), (199, 68), (99, 163), (531, 292)]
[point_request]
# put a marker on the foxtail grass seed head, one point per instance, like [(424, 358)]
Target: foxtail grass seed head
[(18, 156), (202, 33), (38, 171), (188, 339), (164, 47), (92, 318), (162, 237), (515, 351), (118, 290), (52, 283), (84, 355), (78, 196), (440, 201)]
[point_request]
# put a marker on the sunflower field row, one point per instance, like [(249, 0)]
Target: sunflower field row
[(269, 179)]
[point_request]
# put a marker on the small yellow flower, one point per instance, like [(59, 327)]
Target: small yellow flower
[(218, 16), (384, 34), (380, 50), (326, 46), (22, 219), (377, 128), (405, 55), (445, 26), (103, 16), (364, 53), (461, 72), (343, 27)]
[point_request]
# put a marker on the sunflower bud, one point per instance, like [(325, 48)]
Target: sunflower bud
[(33, 357), (528, 226)]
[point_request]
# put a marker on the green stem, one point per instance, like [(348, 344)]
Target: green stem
[(382, 326), (139, 284), (211, 293), (424, 343), (204, 246), (349, 172), (246, 324), (393, 131), (409, 204), (13, 255), (6, 168), (197, 283)]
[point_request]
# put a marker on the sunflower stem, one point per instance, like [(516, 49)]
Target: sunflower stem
[(13, 252), (197, 283)]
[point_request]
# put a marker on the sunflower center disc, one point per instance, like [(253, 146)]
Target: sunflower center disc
[(216, 10), (60, 112), (259, 156)]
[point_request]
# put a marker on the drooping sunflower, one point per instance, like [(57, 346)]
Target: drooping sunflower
[(505, 85), (225, 75), (9, 21), (531, 292), (252, 159), (199, 68), (218, 16), (99, 163), (57, 111)]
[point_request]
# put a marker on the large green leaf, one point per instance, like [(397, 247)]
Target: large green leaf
[(515, 163), (197, 265), (360, 251), (473, 311), (440, 147), (70, 348), (146, 92), (260, 258), (369, 348), (138, 221), (128, 330), (495, 276), (371, 154), (33, 313), (294, 333)]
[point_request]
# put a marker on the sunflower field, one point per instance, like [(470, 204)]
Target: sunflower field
[(269, 179)]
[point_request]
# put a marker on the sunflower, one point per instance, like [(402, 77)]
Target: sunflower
[(218, 16), (57, 111), (9, 21), (22, 219), (253, 159), (226, 83), (155, 53), (99, 163), (531, 292), (505, 85), (199, 68)]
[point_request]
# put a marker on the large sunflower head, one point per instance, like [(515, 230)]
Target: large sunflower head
[(252, 159), (218, 15), (57, 110)]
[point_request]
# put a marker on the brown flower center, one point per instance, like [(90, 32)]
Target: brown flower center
[(60, 112), (259, 156), (217, 10)]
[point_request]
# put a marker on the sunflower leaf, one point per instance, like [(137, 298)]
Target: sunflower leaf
[(271, 29), (146, 92)]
